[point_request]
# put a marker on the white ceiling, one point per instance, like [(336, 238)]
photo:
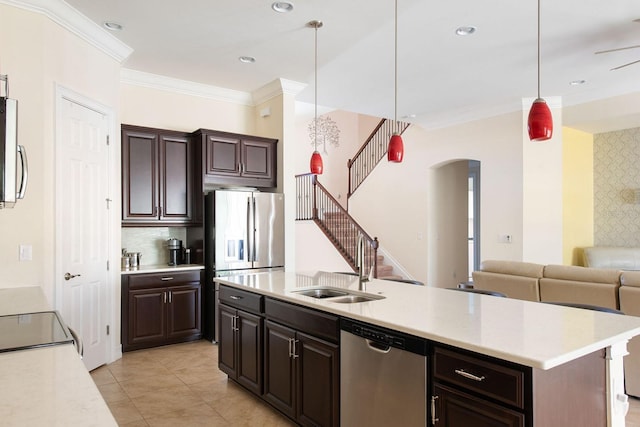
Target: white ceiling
[(442, 77)]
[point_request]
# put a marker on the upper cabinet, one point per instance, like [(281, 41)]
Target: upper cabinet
[(157, 177), (229, 158)]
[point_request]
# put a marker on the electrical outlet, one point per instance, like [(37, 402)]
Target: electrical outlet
[(505, 238), (25, 253)]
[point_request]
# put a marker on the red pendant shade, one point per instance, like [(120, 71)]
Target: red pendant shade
[(315, 164), (540, 123), (395, 152)]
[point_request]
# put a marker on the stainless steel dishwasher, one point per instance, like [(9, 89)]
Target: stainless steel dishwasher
[(383, 377)]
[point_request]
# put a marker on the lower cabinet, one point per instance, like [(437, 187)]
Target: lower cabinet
[(301, 375), (469, 389), (286, 354), (160, 309), (240, 347)]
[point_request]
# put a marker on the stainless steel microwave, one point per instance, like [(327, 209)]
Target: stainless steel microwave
[(11, 188)]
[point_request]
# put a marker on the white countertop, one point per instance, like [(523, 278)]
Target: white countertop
[(46, 386), (533, 334), (163, 268)]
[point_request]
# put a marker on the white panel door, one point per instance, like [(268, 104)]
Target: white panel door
[(82, 225)]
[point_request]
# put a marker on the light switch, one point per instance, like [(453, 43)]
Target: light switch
[(26, 253)]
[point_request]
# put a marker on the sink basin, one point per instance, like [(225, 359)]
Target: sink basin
[(322, 293), (350, 299), (342, 296)]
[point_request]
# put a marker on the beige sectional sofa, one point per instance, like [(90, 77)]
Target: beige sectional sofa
[(605, 287)]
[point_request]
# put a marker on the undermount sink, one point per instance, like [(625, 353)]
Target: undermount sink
[(341, 296), (349, 299), (321, 293)]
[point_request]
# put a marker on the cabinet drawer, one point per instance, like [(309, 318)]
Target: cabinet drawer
[(313, 322), (490, 379), (153, 280), (240, 299)]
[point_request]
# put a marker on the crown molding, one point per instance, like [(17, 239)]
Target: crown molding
[(276, 88), (170, 84), (77, 23)]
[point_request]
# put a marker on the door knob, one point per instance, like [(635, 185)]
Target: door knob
[(69, 276)]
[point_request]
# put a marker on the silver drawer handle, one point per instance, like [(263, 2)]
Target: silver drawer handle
[(236, 297), (468, 375), (165, 279)]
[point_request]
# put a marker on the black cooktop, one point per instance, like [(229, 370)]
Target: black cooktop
[(32, 330)]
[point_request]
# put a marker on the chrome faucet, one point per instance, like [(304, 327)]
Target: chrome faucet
[(362, 279)]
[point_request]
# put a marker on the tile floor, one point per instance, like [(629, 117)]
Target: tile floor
[(181, 385)]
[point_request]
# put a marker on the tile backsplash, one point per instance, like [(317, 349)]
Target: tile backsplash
[(151, 242)]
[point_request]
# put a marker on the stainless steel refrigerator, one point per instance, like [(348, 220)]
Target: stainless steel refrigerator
[(243, 231)]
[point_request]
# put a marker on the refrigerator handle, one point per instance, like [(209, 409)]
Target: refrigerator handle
[(253, 231), (249, 230)]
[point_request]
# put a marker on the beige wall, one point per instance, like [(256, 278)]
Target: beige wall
[(577, 212), (151, 107), (37, 55)]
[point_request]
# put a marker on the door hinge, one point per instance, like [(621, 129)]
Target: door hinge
[(107, 265), (107, 329), (107, 139), (108, 200)]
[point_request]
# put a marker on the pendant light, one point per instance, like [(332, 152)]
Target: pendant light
[(395, 150), (315, 164), (540, 122)]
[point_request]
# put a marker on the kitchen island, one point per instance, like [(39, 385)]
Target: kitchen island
[(49, 385), (542, 337)]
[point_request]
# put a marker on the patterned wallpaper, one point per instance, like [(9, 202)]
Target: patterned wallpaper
[(616, 175)]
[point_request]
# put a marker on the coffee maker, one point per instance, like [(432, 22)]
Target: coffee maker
[(175, 251)]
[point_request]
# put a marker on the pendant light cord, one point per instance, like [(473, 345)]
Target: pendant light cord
[(538, 49), (315, 120), (395, 71)]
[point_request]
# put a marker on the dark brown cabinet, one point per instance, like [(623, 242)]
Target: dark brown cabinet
[(301, 370), (157, 177), (159, 309), (240, 339), (229, 158), (470, 389)]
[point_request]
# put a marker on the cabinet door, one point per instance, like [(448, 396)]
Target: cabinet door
[(176, 195), (318, 381), (139, 175), (222, 156), (249, 351), (279, 374), (458, 409), (258, 159), (227, 342), (147, 317), (184, 313)]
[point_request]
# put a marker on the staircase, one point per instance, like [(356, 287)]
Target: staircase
[(372, 151), (345, 231), (314, 202)]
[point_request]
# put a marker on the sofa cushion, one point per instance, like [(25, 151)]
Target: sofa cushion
[(630, 278), (562, 283), (612, 257), (516, 268), (515, 279)]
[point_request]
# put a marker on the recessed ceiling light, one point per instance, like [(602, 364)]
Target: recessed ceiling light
[(282, 6), (577, 82), (247, 59), (465, 31), (113, 26)]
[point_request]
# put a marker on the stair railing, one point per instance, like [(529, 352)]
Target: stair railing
[(371, 152), (314, 202)]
